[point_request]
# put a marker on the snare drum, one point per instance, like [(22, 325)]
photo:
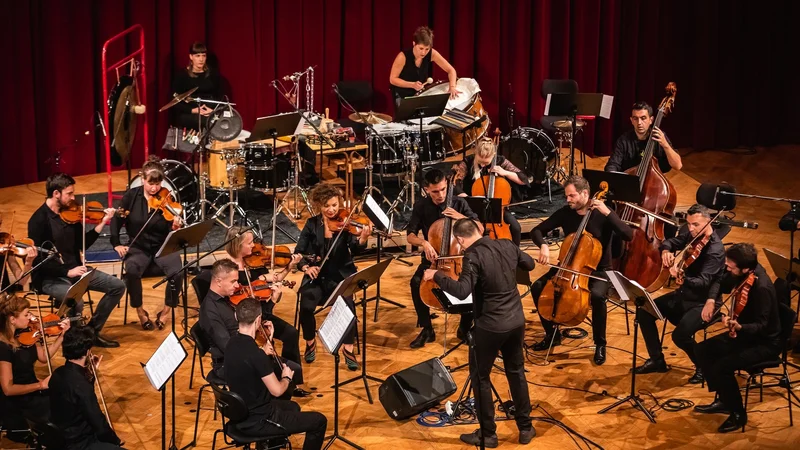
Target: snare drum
[(469, 101), (388, 161), (178, 179), (531, 150), (260, 178), (225, 169), (257, 155), (431, 143)]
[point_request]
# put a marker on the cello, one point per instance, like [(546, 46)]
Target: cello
[(565, 297), (440, 235), (492, 186), (641, 258)]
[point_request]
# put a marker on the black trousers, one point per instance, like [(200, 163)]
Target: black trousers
[(287, 414), (720, 356), (313, 294), (423, 310), (599, 291), (481, 360), (685, 315), (137, 262)]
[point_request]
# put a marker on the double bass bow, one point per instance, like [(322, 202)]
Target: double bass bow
[(441, 237), (641, 257), (565, 297)]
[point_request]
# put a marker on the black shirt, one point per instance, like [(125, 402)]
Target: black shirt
[(208, 86), (22, 360), (312, 241), (425, 213), (153, 237), (699, 276), (47, 226), (600, 226), (74, 409), (465, 171), (489, 273), (628, 153), (218, 320), (245, 366), (760, 317), (413, 73), (6, 281)]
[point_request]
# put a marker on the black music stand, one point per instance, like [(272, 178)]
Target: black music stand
[(489, 210), (622, 187), (418, 108), (629, 290), (180, 240), (574, 105), (160, 369), (361, 281), (334, 328)]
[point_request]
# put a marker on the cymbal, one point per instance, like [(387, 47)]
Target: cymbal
[(372, 117), (566, 125), (177, 99)]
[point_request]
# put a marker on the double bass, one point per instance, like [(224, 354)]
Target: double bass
[(641, 258), (565, 297), (441, 237), (492, 186)]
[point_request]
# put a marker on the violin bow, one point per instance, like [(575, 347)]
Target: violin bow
[(83, 231), (44, 336), (93, 368), (8, 248), (152, 214), (336, 239)]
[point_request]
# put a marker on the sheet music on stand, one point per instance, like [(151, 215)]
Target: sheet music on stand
[(376, 214), (165, 361), (336, 325)]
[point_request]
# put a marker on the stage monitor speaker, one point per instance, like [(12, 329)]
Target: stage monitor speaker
[(415, 389)]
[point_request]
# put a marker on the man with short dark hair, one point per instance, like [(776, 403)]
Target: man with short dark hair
[(602, 225), (427, 211), (629, 148), (73, 403), (691, 306), (754, 336), (55, 277), (489, 274), (251, 374)]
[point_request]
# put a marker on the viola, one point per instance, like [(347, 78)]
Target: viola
[(262, 339), (261, 256), (73, 213), (356, 224), (46, 327), (258, 289), (164, 202), (740, 295), (690, 255), (441, 237)]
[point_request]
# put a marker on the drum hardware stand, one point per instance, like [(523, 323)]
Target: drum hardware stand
[(411, 156), (295, 188), (275, 208)]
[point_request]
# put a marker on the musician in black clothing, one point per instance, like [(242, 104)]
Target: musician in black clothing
[(252, 374), (12, 270), (197, 74), (630, 145), (72, 399), (323, 275), (603, 224), (146, 235), (475, 166), (55, 277), (488, 273), (218, 321), (757, 335), (412, 67), (691, 306)]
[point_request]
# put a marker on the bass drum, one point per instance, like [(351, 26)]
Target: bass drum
[(178, 179), (531, 150), (469, 101)]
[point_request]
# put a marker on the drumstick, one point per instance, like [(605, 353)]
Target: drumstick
[(427, 82)]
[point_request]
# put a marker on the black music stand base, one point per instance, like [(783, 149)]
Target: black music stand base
[(378, 297), (336, 434), (632, 398)]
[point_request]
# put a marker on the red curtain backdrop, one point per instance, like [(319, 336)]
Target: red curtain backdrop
[(732, 62)]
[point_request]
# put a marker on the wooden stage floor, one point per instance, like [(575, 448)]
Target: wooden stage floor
[(570, 388)]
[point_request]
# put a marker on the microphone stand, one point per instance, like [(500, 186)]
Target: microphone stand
[(50, 256)]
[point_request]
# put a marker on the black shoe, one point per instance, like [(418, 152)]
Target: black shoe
[(651, 366), (425, 336), (100, 341), (474, 439), (527, 436), (298, 392), (697, 378), (544, 344), (715, 407), (734, 422), (600, 355)]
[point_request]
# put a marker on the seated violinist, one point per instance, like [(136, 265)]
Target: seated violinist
[(25, 391), (239, 249), (73, 401), (55, 277), (12, 270), (218, 321), (146, 235), (321, 278)]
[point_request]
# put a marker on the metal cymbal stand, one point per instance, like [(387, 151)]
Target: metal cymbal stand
[(410, 154)]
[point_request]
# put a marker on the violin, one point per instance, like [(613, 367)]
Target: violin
[(17, 247), (356, 224), (262, 339), (690, 255), (49, 326), (740, 295), (73, 213), (258, 289), (164, 202), (261, 256)]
